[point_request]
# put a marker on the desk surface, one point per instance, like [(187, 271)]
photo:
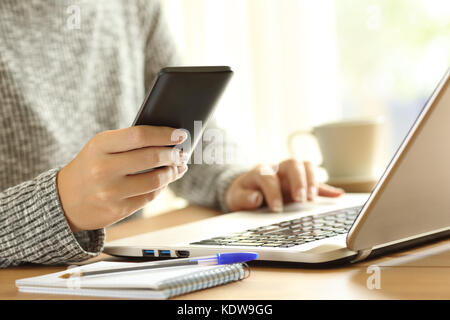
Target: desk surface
[(421, 273)]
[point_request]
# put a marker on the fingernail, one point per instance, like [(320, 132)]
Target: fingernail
[(253, 198), (300, 195), (182, 169), (182, 135), (277, 206)]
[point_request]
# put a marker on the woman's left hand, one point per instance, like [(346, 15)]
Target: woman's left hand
[(290, 181)]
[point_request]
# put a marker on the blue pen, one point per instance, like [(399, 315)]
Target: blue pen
[(219, 258), (224, 258)]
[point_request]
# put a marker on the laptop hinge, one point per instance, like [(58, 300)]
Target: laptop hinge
[(361, 255)]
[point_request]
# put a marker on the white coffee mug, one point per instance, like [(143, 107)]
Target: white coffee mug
[(348, 148)]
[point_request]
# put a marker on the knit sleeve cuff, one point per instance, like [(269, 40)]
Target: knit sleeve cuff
[(36, 230), (72, 247)]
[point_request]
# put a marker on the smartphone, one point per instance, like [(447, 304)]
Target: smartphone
[(184, 98)]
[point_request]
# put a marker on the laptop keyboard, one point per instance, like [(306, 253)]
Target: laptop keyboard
[(290, 233)]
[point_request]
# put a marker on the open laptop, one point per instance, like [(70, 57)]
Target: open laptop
[(409, 205)]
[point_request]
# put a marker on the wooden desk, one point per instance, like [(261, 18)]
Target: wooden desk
[(421, 273)]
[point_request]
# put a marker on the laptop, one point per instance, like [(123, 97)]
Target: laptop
[(409, 205)]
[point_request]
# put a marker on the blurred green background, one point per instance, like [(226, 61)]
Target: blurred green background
[(392, 54)]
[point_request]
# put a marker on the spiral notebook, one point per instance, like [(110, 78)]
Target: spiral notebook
[(160, 283)]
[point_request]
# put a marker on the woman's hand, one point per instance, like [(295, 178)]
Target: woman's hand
[(292, 181), (100, 185)]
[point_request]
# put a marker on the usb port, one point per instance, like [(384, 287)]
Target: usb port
[(148, 253), (182, 253), (164, 253)]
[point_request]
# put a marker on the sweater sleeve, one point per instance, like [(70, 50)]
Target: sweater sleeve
[(33, 227)]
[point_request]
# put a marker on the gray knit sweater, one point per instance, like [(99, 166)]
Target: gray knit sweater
[(63, 78)]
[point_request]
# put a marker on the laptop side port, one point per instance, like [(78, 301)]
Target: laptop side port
[(164, 253), (148, 253), (182, 253)]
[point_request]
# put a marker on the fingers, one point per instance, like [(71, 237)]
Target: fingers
[(103, 174), (301, 183), (296, 179), (147, 158), (144, 183), (137, 137), (265, 180), (135, 203), (244, 199), (329, 191), (312, 190)]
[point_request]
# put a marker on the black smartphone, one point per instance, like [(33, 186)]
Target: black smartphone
[(184, 98)]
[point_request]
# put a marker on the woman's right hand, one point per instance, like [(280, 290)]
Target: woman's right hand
[(100, 185)]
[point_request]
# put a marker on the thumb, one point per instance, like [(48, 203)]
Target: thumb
[(244, 199)]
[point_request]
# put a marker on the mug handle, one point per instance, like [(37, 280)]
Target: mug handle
[(293, 135)]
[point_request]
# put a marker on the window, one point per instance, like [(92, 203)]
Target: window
[(300, 63)]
